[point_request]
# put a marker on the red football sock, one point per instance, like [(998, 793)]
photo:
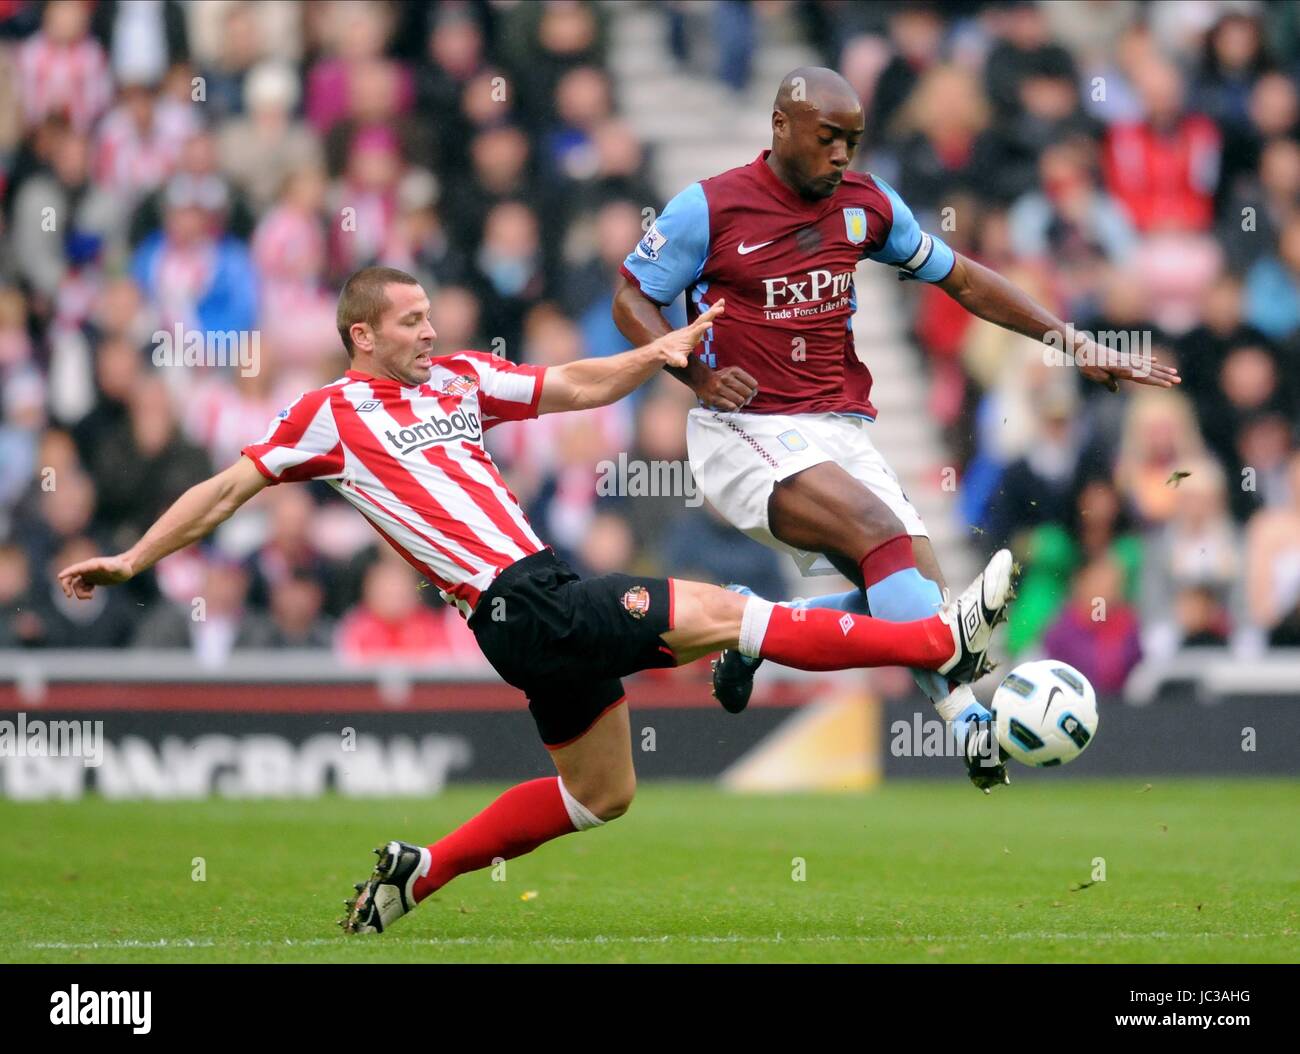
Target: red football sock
[(516, 823), (823, 639)]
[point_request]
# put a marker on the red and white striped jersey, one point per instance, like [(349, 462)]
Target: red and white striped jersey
[(133, 163), (72, 79), (411, 459)]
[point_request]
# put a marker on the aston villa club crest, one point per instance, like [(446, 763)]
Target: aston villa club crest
[(637, 601), (855, 225), (461, 385)]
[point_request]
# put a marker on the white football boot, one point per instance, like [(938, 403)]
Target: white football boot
[(973, 616), (388, 893)]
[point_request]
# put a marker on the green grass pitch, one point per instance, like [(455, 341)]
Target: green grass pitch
[(1195, 871)]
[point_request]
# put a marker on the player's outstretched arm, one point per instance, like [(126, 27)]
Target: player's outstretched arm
[(641, 321), (194, 515), (586, 383), (988, 295)]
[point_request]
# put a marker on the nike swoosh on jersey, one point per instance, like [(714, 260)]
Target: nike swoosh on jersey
[(745, 250)]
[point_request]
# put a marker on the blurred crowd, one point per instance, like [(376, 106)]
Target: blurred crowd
[(221, 166), (1136, 167)]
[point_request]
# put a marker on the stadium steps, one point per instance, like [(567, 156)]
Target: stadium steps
[(694, 123), (696, 126)]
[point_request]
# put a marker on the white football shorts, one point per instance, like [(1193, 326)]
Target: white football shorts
[(737, 458)]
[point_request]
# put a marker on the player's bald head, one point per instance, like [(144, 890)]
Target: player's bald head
[(817, 122), (815, 89)]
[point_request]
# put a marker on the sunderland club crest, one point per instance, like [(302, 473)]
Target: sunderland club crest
[(637, 601), (461, 385)]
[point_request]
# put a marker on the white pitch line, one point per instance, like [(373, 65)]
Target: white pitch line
[(189, 942)]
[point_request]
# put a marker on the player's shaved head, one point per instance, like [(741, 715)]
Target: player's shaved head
[(817, 122), (383, 319), (816, 88), (364, 299)]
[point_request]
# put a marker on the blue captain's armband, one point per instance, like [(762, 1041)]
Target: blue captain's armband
[(915, 253)]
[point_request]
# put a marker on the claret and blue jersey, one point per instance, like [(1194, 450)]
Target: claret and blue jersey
[(785, 265)]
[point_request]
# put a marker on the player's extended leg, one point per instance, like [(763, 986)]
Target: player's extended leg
[(596, 770), (952, 641), (899, 574), (595, 784), (824, 509), (854, 601), (957, 703)]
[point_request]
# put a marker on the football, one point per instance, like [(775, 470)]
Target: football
[(1045, 713)]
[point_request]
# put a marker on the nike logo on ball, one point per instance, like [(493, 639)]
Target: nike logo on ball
[(745, 250), (1050, 696)]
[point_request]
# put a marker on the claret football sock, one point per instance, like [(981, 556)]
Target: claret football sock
[(897, 591), (822, 639), (516, 823)]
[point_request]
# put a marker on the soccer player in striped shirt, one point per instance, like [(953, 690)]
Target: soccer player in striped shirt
[(400, 437)]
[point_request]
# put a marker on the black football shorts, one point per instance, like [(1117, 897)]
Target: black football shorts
[(565, 641)]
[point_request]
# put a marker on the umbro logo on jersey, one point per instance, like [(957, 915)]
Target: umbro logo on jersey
[(745, 250), (368, 405)]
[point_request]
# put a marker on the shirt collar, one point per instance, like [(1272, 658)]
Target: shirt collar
[(774, 181), (357, 375)]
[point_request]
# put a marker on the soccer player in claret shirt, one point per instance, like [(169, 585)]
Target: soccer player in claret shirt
[(400, 436), (780, 444)]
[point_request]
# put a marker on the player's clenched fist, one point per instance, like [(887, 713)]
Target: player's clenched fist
[(79, 580), (728, 389)]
